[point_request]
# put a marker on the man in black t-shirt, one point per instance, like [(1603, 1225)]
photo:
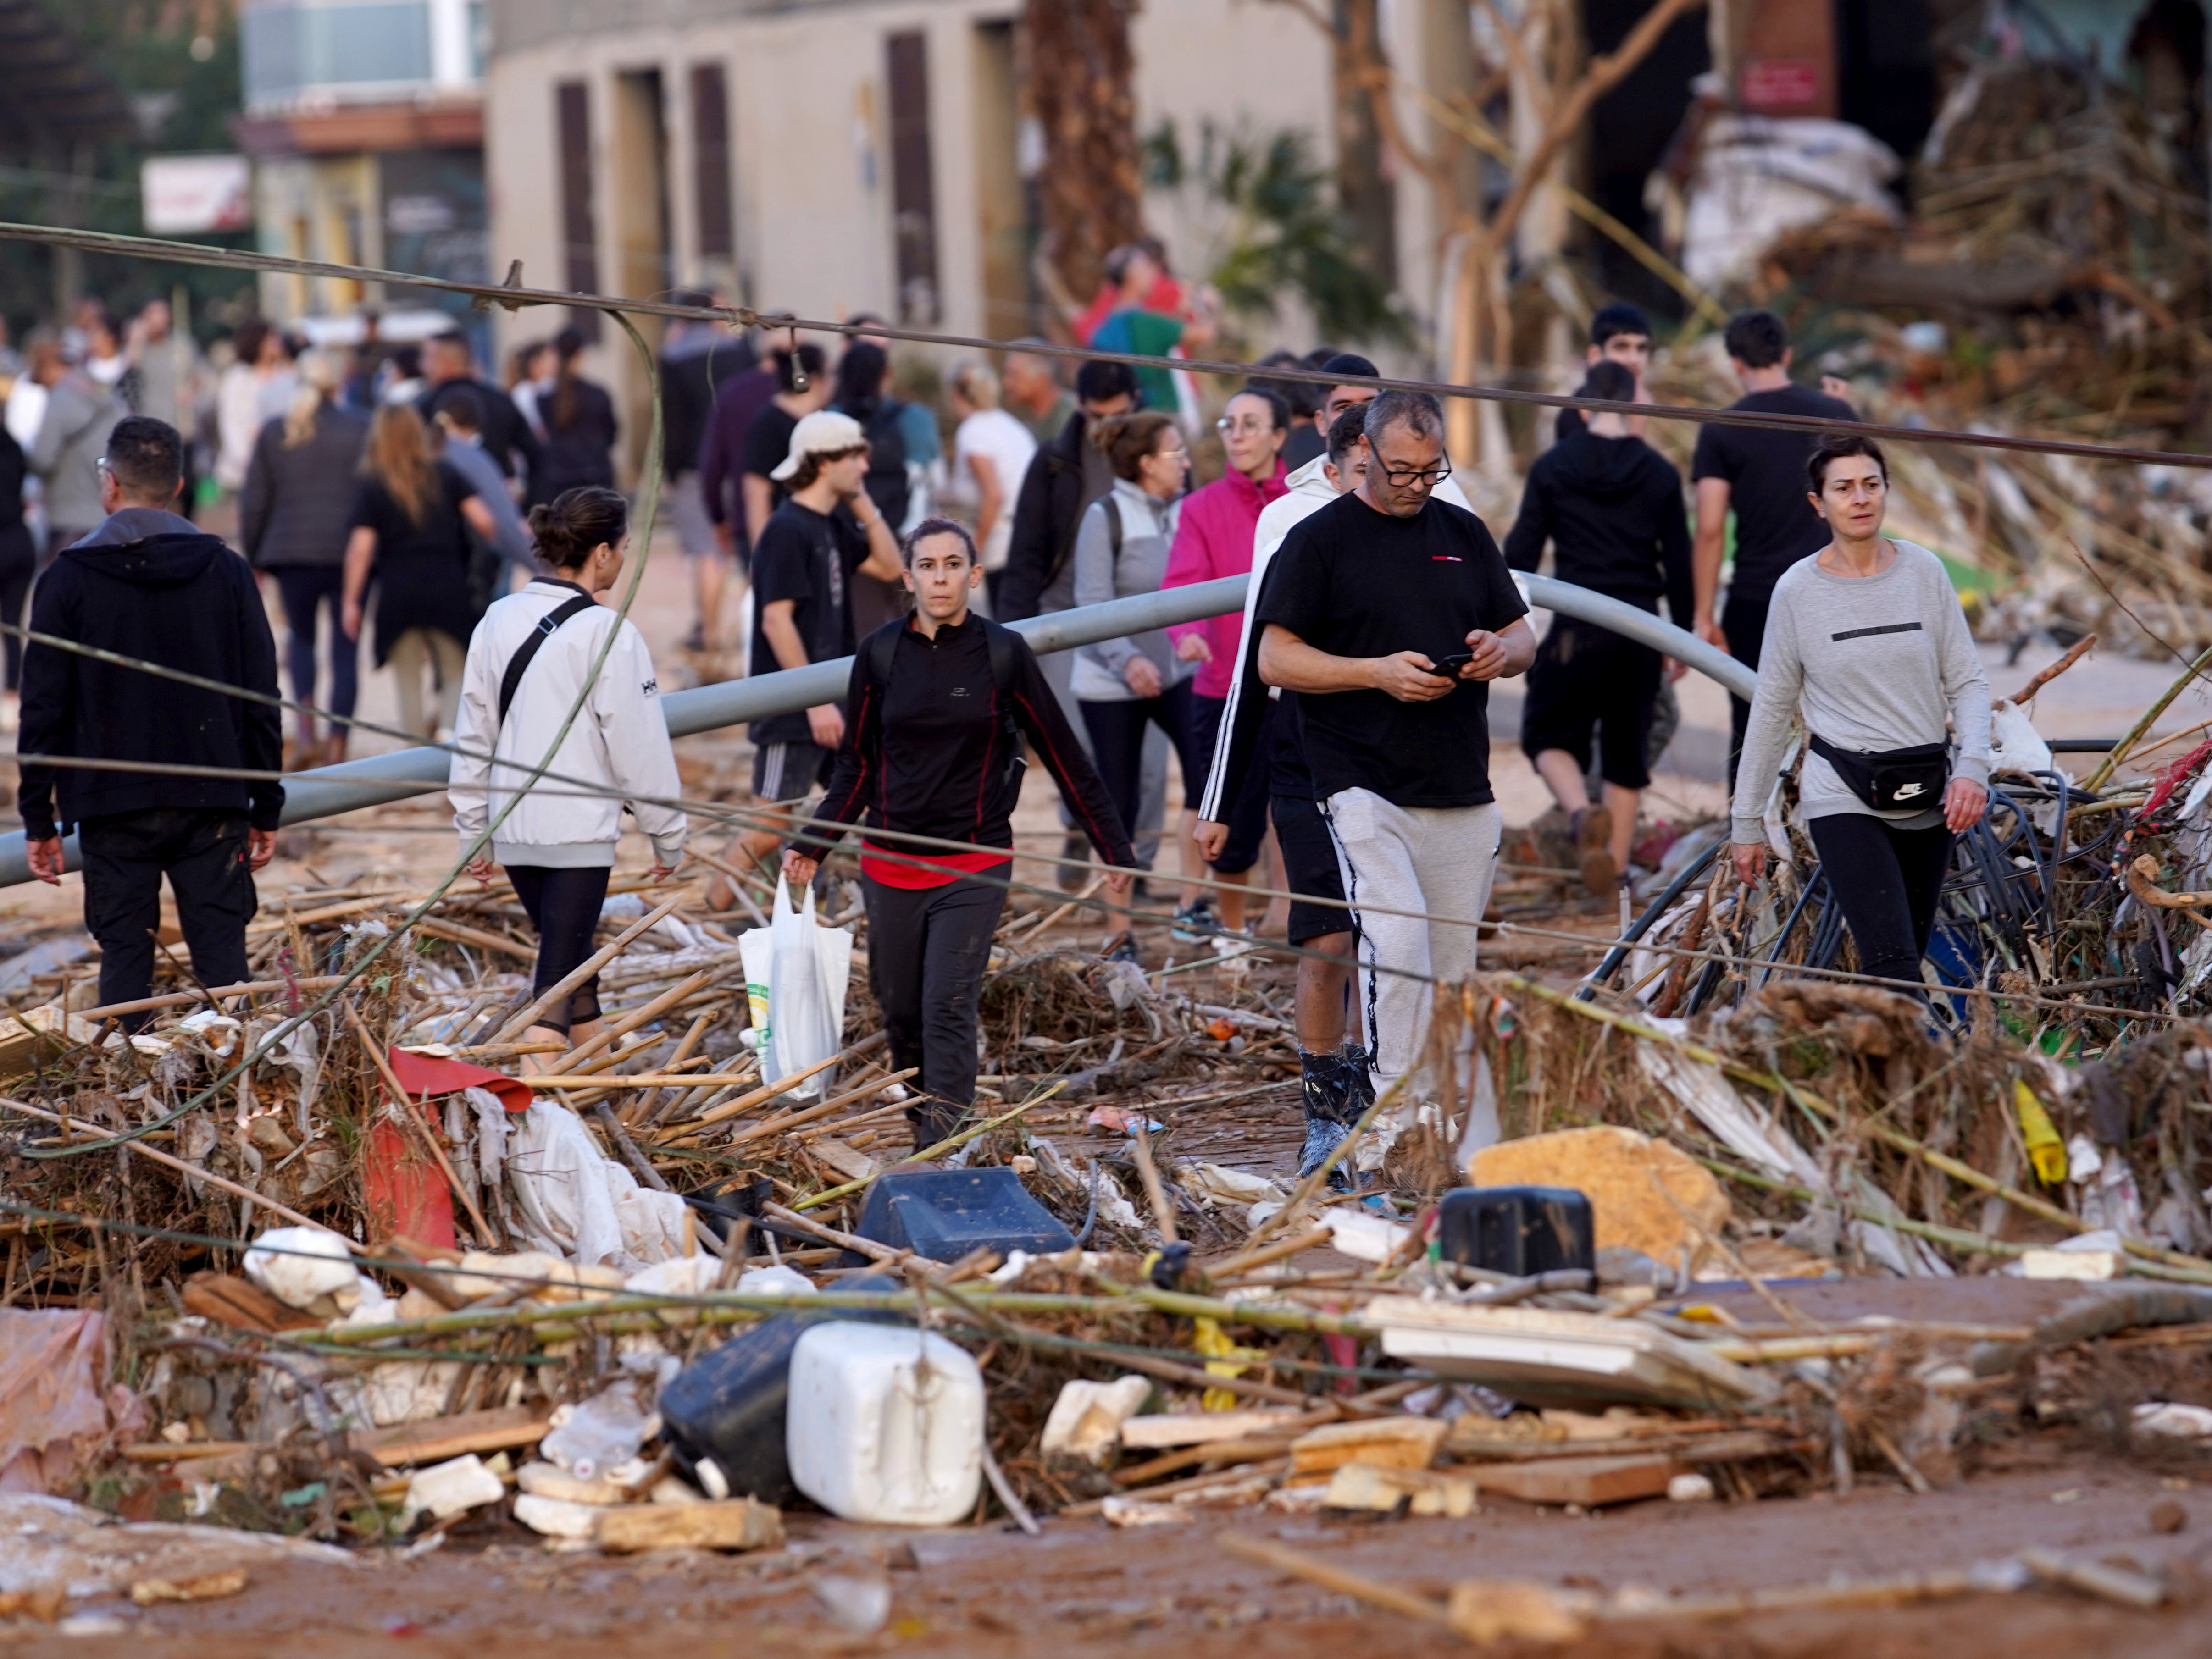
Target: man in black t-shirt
[(805, 559), (1759, 472), (1387, 613), (802, 380)]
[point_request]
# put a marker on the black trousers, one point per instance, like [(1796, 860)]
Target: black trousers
[(203, 853), (1887, 880), (928, 948), (1248, 812), (564, 908), (1117, 744), (1744, 622)]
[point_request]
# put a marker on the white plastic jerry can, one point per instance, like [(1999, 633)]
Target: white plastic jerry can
[(885, 1423)]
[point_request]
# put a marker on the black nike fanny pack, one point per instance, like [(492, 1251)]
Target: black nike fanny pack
[(1893, 781)]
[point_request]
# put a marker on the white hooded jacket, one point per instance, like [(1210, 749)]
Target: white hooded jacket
[(618, 744)]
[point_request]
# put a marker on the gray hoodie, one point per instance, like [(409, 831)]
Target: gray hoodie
[(73, 437)]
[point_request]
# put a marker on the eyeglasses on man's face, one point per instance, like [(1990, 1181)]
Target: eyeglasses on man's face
[(1415, 478)]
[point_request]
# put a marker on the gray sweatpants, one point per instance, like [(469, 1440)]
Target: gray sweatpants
[(1435, 861)]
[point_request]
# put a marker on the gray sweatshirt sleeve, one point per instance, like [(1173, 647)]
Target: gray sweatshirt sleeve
[(1966, 688), (1094, 583), (1773, 706)]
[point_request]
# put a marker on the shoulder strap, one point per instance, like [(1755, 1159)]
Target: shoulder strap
[(519, 664), (883, 646), (1113, 524), (1002, 641)]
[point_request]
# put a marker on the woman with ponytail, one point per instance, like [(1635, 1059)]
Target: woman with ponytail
[(539, 656), (580, 427), (293, 518)]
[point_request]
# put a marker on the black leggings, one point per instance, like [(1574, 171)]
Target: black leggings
[(1887, 880), (1117, 744), (928, 948), (564, 908)]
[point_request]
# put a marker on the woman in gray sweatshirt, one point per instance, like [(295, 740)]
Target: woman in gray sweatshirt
[(1867, 643), (1123, 685)]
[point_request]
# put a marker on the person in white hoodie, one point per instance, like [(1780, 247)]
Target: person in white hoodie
[(532, 660)]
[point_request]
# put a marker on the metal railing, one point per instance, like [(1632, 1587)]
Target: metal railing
[(375, 780)]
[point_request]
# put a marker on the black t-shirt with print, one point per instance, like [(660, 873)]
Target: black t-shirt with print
[(1765, 466), (808, 558), (1355, 582)]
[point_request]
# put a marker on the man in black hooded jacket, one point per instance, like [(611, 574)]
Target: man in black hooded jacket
[(150, 586), (1611, 507)]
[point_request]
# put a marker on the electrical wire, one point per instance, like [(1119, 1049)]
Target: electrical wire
[(512, 295)]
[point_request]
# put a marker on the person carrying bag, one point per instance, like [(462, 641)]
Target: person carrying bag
[(531, 662), (1867, 642), (941, 703)]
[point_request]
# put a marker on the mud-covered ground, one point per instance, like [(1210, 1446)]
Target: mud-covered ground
[(1086, 1588)]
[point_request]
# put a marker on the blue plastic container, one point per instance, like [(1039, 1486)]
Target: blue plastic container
[(943, 1214)]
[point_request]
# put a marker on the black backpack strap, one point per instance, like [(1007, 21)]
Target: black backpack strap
[(1113, 524), (1002, 642), (519, 664)]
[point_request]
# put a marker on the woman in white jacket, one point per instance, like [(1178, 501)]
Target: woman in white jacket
[(532, 661)]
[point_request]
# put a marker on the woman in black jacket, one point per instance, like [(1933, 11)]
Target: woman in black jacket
[(580, 428), (293, 519), (941, 701)]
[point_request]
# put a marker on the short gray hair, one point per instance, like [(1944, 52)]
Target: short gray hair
[(1417, 410)]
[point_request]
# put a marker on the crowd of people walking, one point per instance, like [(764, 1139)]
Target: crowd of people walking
[(1332, 739)]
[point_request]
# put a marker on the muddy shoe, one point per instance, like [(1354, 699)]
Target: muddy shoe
[(1593, 827), (1322, 1137)]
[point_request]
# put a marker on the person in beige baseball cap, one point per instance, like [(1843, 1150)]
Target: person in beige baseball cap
[(805, 558)]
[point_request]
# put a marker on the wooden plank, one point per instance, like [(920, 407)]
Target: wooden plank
[(1156, 1433), (736, 1523), (1390, 1442), (501, 1429), (242, 1304), (1589, 1482)]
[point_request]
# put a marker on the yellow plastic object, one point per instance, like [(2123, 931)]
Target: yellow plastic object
[(1224, 1359), (2044, 1149)]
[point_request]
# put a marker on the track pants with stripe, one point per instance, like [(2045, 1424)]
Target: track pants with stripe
[(1434, 861)]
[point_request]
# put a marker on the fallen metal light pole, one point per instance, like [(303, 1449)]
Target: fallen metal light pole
[(327, 791)]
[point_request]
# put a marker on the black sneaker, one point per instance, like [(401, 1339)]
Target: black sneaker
[(1194, 923), (1322, 1137), (1123, 947)]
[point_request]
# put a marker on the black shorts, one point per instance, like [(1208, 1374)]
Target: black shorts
[(791, 771), (1586, 677), (1247, 814), (1309, 864)]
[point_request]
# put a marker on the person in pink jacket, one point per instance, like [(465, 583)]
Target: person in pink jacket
[(1214, 538)]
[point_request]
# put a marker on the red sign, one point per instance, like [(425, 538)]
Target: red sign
[(1781, 83)]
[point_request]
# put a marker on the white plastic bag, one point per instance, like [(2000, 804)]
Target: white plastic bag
[(809, 970)]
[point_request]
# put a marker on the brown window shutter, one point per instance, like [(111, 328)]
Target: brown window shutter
[(580, 230), (710, 150), (913, 196)]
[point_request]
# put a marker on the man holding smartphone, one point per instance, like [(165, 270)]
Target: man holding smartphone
[(1389, 613)]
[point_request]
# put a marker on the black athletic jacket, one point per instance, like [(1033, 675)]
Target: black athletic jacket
[(148, 584), (930, 752), (1611, 508)]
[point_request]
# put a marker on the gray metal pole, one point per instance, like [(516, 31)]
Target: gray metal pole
[(328, 791)]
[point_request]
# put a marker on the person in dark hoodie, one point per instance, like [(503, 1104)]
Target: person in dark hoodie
[(148, 584), (1611, 509)]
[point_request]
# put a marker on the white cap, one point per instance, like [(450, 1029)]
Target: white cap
[(824, 432)]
